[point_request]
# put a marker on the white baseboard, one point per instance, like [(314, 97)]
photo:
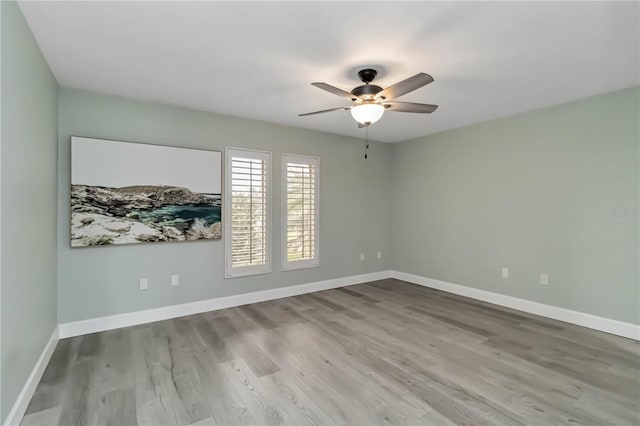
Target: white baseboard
[(77, 328), (22, 402), (94, 325), (619, 328)]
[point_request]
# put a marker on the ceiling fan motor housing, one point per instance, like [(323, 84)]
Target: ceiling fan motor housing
[(367, 90)]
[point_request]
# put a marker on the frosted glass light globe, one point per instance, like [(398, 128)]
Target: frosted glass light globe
[(367, 113)]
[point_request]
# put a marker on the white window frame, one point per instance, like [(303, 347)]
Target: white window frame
[(307, 263), (231, 271)]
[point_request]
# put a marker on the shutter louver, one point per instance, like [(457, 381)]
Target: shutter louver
[(248, 217), (248, 212), (300, 211)]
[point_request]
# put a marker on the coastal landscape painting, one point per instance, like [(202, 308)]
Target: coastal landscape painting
[(127, 193)]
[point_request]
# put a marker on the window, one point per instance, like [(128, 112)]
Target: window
[(248, 212), (300, 211)]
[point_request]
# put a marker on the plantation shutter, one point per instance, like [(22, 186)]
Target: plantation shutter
[(300, 209), (248, 206)]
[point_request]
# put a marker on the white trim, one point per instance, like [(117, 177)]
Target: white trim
[(22, 402), (307, 263), (242, 271), (78, 328), (619, 328)]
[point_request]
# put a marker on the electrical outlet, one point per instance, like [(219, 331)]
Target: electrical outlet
[(379, 254), (361, 257), (175, 280), (144, 283), (544, 279), (505, 272)]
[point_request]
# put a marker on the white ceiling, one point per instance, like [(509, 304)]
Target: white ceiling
[(256, 59)]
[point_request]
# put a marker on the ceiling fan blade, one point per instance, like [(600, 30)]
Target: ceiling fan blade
[(410, 107), (405, 86), (332, 89), (323, 111)]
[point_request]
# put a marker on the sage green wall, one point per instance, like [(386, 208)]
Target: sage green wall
[(99, 281), (554, 190), (28, 191)]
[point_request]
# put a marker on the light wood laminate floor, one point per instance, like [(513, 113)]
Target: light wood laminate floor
[(386, 352)]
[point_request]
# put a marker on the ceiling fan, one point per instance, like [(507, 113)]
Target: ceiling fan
[(371, 100)]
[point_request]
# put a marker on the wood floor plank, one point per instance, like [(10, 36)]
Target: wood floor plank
[(244, 348), (331, 404), (223, 401), (79, 404), (185, 381), (157, 399), (77, 407), (263, 409), (295, 400), (117, 408), (115, 361), (218, 395), (212, 338), (259, 318), (280, 312), (339, 379), (385, 352), (353, 292), (364, 376)]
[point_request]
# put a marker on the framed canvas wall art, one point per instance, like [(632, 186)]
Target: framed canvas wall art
[(128, 193)]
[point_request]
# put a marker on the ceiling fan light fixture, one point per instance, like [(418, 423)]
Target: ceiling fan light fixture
[(367, 113)]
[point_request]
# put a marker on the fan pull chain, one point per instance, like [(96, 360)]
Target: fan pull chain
[(366, 141)]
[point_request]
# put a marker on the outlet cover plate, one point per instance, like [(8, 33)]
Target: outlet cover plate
[(505, 272), (144, 283)]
